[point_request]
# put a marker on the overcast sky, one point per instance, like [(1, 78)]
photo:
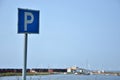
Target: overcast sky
[(85, 33)]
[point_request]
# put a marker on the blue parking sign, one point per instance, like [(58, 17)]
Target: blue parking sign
[(28, 21)]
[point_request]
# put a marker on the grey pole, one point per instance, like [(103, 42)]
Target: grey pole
[(25, 58)]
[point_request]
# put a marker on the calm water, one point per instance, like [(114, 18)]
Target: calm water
[(64, 77)]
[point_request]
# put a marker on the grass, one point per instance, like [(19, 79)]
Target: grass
[(19, 74)]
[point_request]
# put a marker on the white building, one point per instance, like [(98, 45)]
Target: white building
[(71, 69)]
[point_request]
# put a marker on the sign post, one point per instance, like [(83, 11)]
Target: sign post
[(25, 57), (28, 22)]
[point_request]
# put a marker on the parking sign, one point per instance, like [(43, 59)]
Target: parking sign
[(28, 21)]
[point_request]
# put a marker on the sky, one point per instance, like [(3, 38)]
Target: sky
[(83, 33)]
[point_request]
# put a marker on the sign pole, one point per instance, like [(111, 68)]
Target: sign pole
[(25, 57)]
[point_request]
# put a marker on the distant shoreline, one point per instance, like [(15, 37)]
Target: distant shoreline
[(45, 71)]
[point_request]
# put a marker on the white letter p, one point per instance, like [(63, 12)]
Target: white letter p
[(26, 20)]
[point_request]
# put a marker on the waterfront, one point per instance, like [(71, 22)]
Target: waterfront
[(64, 77)]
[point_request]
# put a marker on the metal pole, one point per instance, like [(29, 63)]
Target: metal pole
[(25, 58)]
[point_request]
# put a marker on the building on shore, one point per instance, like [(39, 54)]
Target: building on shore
[(71, 69), (77, 70)]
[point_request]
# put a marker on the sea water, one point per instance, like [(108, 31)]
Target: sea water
[(64, 77)]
